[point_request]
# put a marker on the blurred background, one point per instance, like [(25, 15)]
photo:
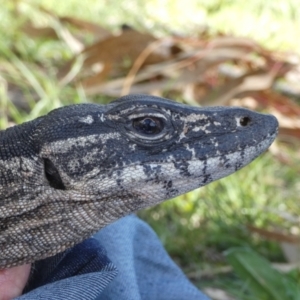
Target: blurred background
[(238, 238)]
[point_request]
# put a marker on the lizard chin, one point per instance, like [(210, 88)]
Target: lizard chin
[(170, 183)]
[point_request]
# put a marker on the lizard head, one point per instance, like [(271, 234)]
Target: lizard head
[(87, 165), (141, 150)]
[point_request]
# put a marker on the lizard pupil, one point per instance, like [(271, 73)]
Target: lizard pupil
[(147, 125), (244, 121)]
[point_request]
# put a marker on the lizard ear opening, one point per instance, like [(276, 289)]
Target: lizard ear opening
[(52, 175)]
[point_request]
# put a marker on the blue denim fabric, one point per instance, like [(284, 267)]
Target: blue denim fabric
[(124, 261), (82, 272)]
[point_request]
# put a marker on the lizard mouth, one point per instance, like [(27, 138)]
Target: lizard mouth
[(169, 187)]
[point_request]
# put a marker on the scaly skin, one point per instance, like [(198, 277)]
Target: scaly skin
[(79, 168)]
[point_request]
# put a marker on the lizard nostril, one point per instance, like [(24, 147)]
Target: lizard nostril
[(244, 121)]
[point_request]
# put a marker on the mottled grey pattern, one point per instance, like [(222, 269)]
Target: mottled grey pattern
[(68, 174)]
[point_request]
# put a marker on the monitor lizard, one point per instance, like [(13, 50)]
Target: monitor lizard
[(65, 175)]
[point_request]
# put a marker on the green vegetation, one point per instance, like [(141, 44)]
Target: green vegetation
[(263, 281), (274, 23), (195, 228)]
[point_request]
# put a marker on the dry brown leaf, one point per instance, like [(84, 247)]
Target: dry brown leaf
[(250, 82), (236, 42), (91, 83), (116, 50), (290, 244), (275, 235), (39, 32), (286, 133), (280, 103), (114, 88)]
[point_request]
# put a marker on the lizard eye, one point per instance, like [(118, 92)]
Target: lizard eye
[(148, 125)]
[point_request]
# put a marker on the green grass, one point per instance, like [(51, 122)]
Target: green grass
[(198, 226)]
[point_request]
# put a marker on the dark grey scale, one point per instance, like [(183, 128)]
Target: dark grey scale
[(119, 182), (204, 167), (151, 170), (225, 161), (206, 179), (183, 167), (171, 193)]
